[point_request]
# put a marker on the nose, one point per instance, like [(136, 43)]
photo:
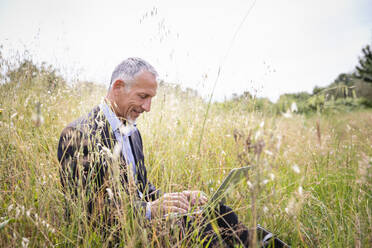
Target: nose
[(147, 104)]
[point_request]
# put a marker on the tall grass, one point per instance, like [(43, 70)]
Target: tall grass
[(310, 182)]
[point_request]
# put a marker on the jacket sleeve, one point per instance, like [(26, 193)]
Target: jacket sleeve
[(87, 170), (83, 168)]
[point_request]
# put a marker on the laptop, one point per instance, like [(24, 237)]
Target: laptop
[(232, 179)]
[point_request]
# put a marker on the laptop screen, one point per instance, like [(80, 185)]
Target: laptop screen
[(232, 179)]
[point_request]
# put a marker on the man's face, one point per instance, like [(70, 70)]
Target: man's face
[(131, 103)]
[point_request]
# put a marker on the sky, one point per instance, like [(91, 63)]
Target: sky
[(266, 47)]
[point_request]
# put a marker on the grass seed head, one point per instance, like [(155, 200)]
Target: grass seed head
[(296, 169), (25, 242)]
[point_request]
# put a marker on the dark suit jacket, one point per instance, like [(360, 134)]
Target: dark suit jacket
[(85, 153)]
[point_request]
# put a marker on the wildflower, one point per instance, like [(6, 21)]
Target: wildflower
[(265, 209), (287, 114), (250, 185), (294, 107), (258, 134), (117, 151), (28, 212), (300, 190), (296, 169), (348, 127), (43, 182), (10, 207), (268, 152), (272, 176), (290, 207), (279, 142), (107, 151), (110, 194), (22, 209), (264, 182), (18, 211), (25, 242), (37, 118)]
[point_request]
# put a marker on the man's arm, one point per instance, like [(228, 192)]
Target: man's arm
[(69, 144), (82, 167), (85, 172)]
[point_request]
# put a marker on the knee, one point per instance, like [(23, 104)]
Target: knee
[(228, 217)]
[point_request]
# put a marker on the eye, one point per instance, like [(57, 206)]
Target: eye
[(143, 96)]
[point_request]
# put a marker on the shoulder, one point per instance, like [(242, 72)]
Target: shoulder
[(86, 126), (88, 122), (91, 124), (92, 128)]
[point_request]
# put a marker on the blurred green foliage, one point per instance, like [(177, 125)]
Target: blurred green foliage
[(348, 92), (364, 69)]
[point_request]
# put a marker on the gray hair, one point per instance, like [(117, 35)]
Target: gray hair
[(129, 69)]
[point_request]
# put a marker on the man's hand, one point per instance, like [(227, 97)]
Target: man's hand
[(180, 202), (195, 197), (169, 203)]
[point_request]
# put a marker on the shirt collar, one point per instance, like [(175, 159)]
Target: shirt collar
[(114, 121)]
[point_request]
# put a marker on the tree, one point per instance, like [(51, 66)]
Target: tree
[(364, 69), (317, 90), (26, 72), (344, 79)]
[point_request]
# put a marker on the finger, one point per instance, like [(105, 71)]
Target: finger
[(199, 201), (191, 195), (199, 198), (187, 193), (174, 209), (175, 194), (177, 197), (178, 204), (180, 195), (203, 199)]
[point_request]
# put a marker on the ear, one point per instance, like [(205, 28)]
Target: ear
[(117, 87), (118, 84)]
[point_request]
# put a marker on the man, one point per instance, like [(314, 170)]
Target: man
[(103, 151)]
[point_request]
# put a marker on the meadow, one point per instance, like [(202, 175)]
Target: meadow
[(310, 182)]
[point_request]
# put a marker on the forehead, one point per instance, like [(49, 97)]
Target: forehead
[(145, 82)]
